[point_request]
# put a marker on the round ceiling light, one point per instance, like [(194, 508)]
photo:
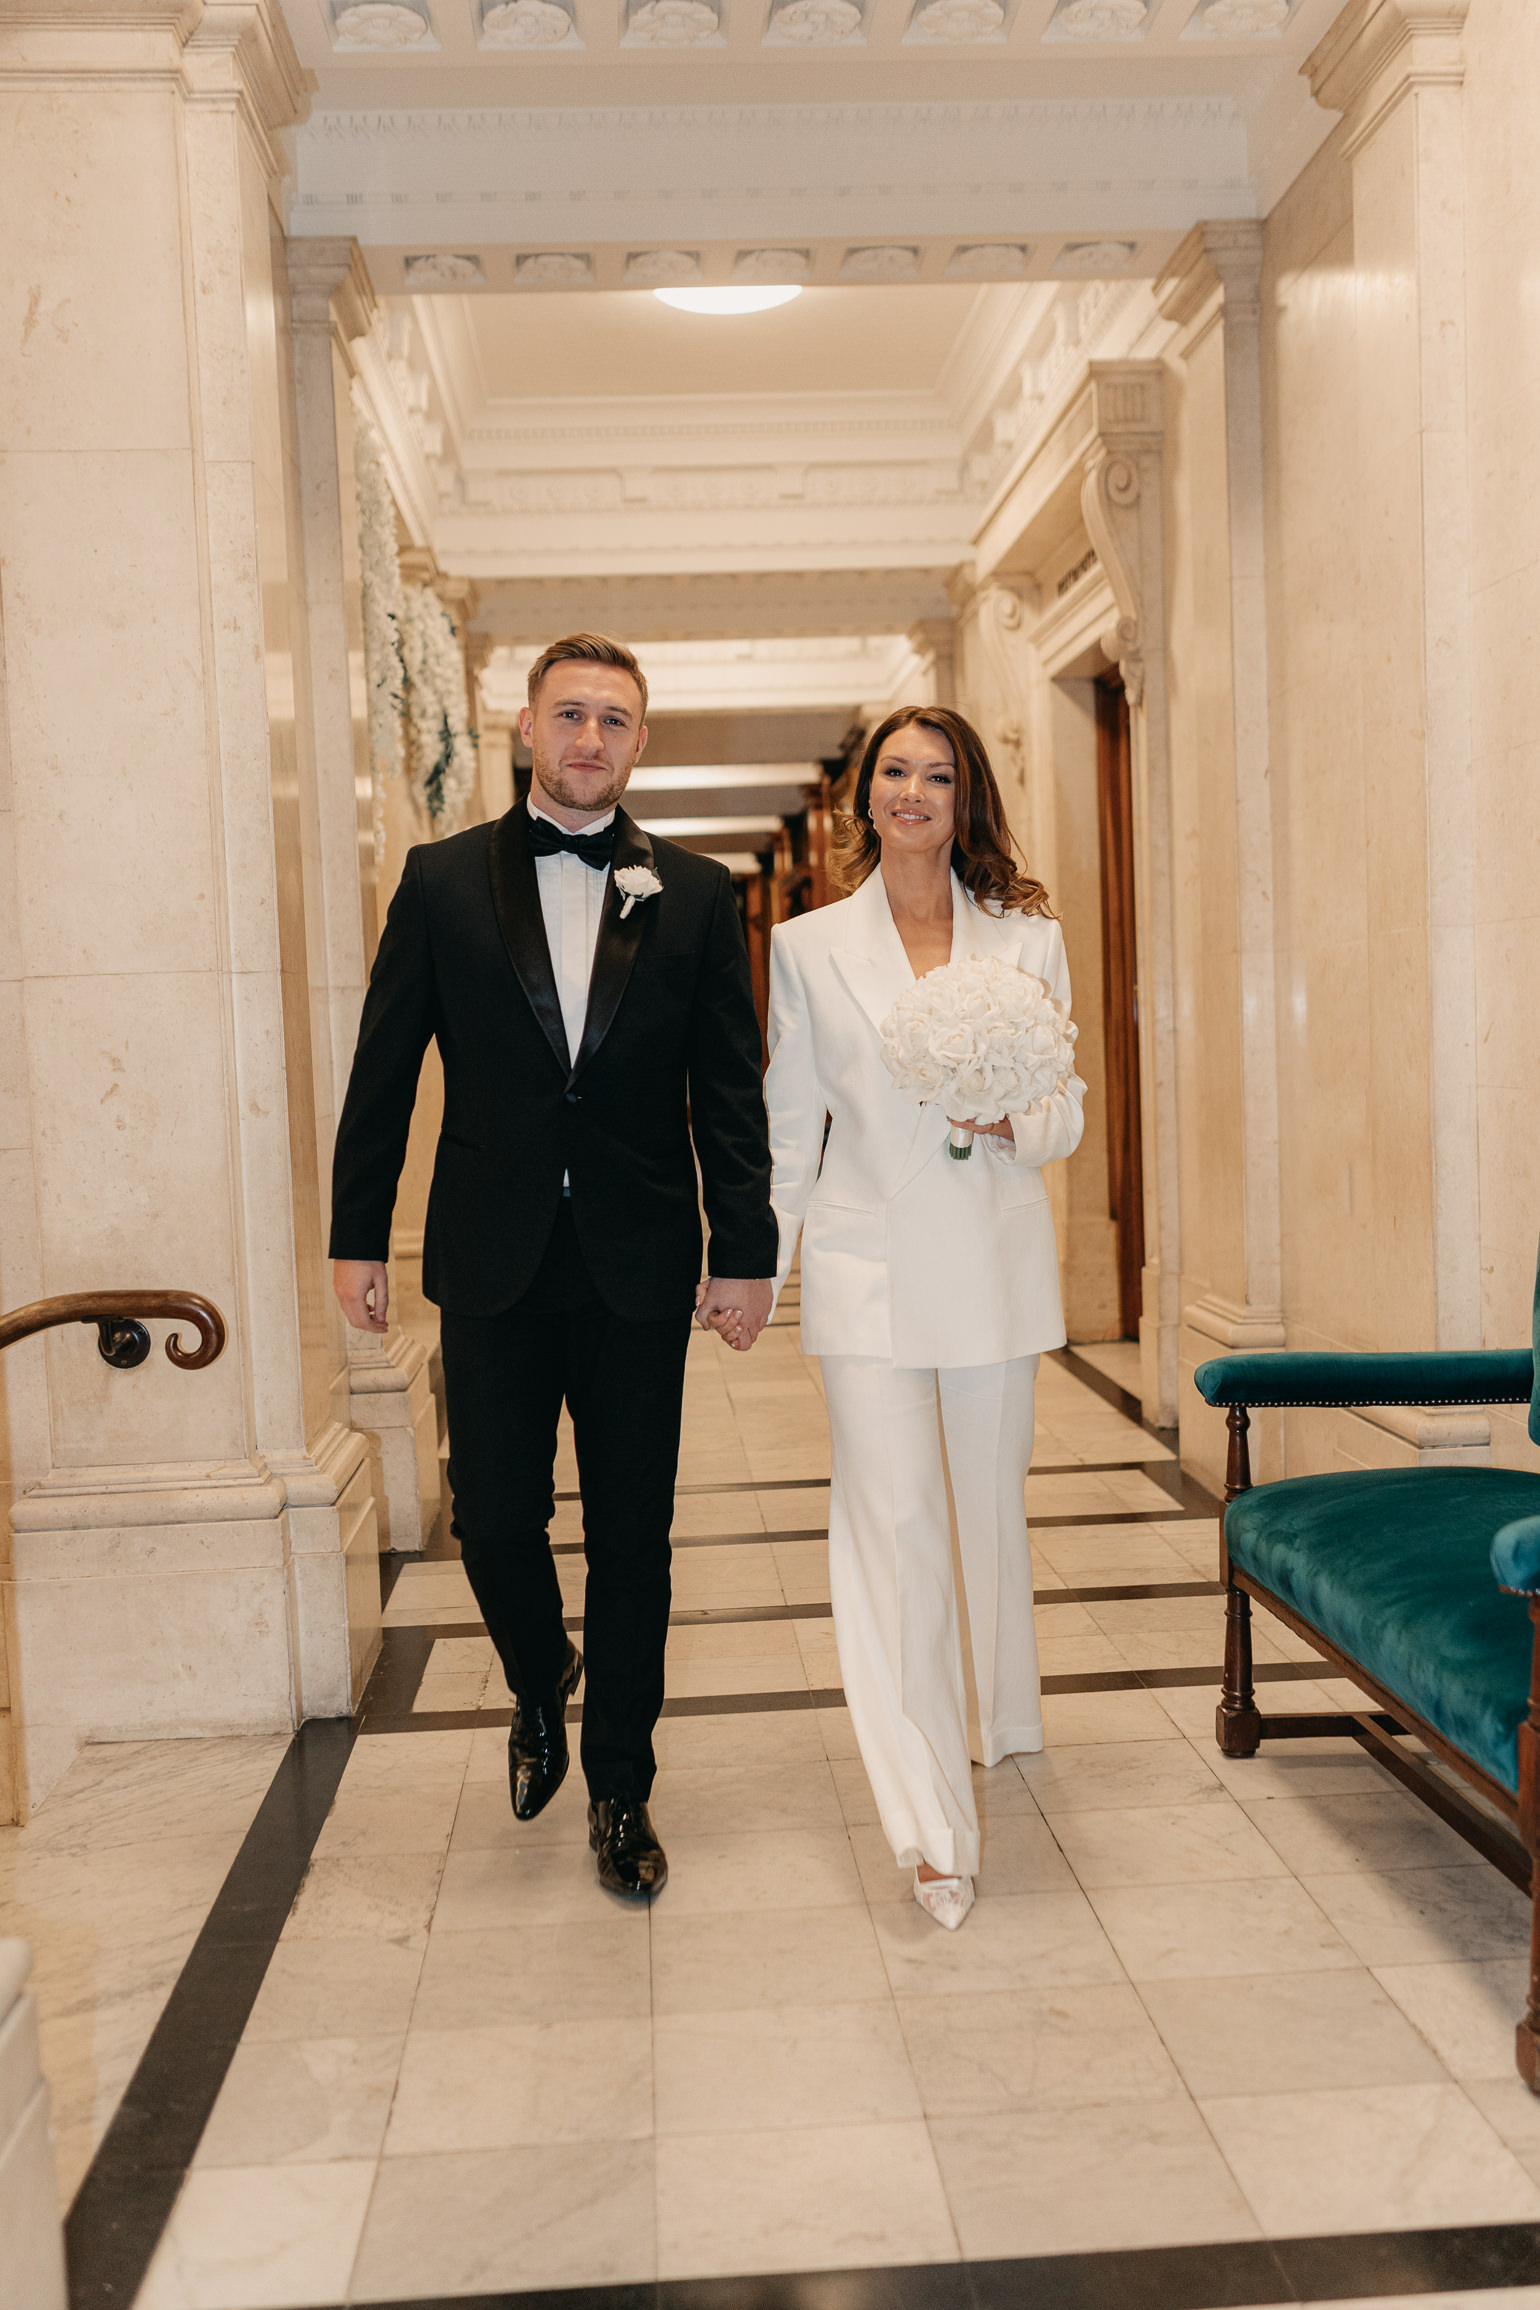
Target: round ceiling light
[(726, 300)]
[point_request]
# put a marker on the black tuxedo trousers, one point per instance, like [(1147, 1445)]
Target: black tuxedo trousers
[(505, 1380), (546, 1296)]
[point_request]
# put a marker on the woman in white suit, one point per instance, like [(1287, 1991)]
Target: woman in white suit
[(926, 1283)]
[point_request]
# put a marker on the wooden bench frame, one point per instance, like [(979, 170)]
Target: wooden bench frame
[(1240, 1728)]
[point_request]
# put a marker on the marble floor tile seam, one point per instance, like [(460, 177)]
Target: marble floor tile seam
[(1124, 1592), (378, 1722)]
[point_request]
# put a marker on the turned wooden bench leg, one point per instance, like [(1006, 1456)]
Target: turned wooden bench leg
[(1237, 1723), (1527, 2036)]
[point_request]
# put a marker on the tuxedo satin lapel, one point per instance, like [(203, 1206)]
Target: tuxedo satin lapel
[(618, 942), (516, 897)]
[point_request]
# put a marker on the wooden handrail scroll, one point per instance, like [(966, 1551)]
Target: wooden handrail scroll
[(119, 1316)]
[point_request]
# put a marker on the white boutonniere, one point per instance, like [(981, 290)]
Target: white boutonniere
[(637, 882)]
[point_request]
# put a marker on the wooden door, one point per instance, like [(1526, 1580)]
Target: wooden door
[(1120, 994)]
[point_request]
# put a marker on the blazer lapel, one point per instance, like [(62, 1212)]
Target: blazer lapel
[(516, 897), (617, 944), (872, 963)]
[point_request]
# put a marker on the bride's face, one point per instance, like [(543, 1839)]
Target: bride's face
[(914, 792)]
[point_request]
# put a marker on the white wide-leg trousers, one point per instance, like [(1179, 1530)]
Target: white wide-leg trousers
[(895, 1604)]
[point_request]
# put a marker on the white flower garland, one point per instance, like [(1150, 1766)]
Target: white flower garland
[(412, 662), (443, 749), (384, 674)]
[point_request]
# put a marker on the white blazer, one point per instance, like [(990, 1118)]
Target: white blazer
[(907, 1255)]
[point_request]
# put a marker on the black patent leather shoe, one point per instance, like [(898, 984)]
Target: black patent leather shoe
[(537, 1743), (631, 1861)]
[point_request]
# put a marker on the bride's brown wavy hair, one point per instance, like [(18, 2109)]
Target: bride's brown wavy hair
[(983, 847)]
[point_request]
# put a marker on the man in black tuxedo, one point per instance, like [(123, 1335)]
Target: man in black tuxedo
[(589, 990)]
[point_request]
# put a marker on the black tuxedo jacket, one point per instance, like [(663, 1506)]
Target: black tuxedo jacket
[(670, 1047)]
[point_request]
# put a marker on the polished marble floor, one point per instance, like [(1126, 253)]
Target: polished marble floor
[(1198, 2003)]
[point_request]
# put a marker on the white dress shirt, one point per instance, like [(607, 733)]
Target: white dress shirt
[(572, 903)]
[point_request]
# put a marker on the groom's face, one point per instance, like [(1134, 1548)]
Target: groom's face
[(585, 733)]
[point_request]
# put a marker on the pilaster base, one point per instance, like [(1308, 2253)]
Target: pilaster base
[(1214, 1327), (186, 1600), (391, 1401)]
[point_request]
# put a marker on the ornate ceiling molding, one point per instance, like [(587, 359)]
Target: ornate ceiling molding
[(491, 179)]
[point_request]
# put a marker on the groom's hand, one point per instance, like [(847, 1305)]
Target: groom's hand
[(363, 1292), (736, 1306)]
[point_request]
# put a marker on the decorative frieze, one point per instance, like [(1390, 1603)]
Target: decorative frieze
[(1238, 20), (672, 24), (989, 261), (662, 268), (527, 24), (815, 23), (440, 269), (957, 21), (881, 264), (381, 25), (554, 269), (1095, 260), (1098, 20), (767, 267)]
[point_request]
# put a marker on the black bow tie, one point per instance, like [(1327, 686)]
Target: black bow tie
[(546, 839)]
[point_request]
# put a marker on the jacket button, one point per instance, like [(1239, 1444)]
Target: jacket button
[(572, 1097)]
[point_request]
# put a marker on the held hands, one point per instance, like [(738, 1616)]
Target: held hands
[(363, 1292), (734, 1307), (1001, 1130)]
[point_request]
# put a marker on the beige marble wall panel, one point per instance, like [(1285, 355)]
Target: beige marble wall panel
[(1392, 576), (1502, 93), (1203, 812), (91, 290), (191, 1654), (301, 940), (132, 1156), (103, 642), (1320, 831)]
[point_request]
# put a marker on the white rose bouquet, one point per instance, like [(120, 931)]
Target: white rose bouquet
[(981, 1038)]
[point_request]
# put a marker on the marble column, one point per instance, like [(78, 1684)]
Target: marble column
[(1211, 291), (190, 1552), (1395, 69), (390, 1397)]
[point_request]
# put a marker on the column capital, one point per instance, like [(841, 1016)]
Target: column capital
[(329, 281), (242, 49), (1223, 258), (1378, 51)]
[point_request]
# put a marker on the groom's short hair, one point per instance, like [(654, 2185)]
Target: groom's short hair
[(591, 650)]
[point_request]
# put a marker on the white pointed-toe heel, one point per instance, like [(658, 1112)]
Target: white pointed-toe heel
[(947, 1899)]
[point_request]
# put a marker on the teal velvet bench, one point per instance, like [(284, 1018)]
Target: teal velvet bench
[(1422, 1585)]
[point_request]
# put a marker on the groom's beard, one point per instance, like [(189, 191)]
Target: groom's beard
[(553, 780)]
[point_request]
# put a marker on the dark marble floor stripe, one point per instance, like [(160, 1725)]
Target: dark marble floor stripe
[(125, 2201), (711, 1540), (1110, 1390), (737, 1615), (682, 1704), (1203, 2277), (772, 1703)]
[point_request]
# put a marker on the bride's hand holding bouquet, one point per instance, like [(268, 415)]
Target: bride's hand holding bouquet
[(982, 1038)]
